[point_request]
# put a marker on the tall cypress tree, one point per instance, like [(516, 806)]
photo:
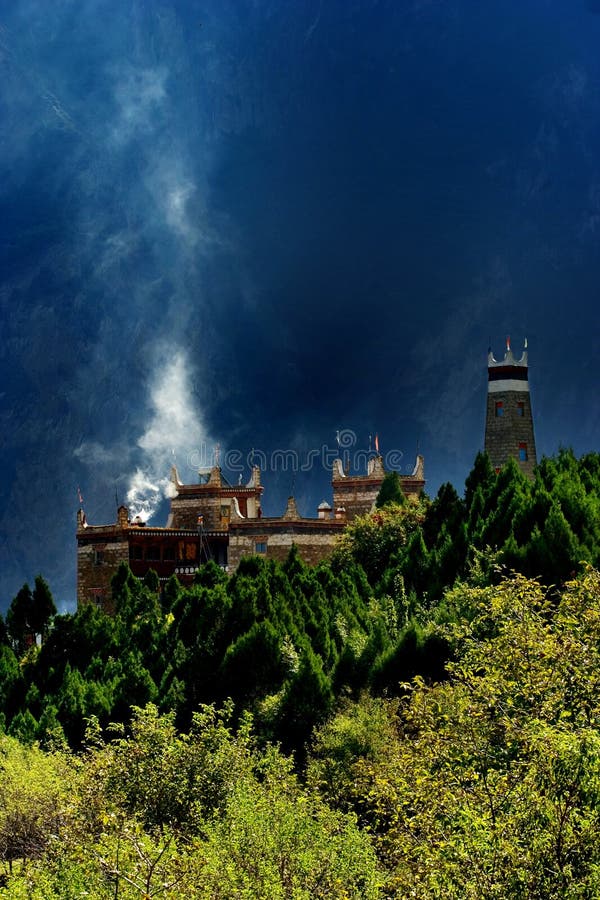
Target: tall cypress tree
[(390, 491)]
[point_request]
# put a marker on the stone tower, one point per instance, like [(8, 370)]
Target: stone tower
[(509, 421)]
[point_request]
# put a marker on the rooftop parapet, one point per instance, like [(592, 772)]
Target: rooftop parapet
[(509, 358), (509, 373)]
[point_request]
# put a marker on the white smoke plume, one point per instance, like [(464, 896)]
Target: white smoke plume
[(175, 435)]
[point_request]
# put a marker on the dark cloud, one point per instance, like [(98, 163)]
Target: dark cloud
[(256, 223)]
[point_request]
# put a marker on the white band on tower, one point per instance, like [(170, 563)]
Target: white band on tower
[(507, 384)]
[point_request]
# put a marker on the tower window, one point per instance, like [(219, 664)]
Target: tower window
[(520, 408), (96, 596), (98, 557), (260, 547), (499, 408), (523, 452)]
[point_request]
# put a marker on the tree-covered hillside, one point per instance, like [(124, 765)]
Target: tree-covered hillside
[(410, 703), (484, 785), (542, 528), (285, 640)]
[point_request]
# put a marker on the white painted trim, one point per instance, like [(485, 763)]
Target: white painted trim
[(507, 384)]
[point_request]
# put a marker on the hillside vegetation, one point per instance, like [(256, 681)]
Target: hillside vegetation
[(417, 717)]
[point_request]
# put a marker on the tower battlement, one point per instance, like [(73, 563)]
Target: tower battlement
[(509, 419), (502, 372)]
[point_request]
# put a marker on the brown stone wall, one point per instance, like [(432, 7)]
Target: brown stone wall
[(357, 493), (215, 505), (357, 497), (312, 547), (412, 489), (96, 565), (504, 433), (187, 507)]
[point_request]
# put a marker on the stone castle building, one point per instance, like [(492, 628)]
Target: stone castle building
[(213, 519), (216, 520), (509, 420)]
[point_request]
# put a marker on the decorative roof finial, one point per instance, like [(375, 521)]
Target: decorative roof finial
[(509, 358)]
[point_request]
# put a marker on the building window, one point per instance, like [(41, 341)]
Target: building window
[(225, 511), (520, 408), (260, 547), (499, 408), (153, 552), (98, 557), (169, 553), (97, 596), (523, 452), (135, 551), (191, 551)]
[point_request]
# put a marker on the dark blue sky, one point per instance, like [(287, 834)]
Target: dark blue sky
[(257, 222)]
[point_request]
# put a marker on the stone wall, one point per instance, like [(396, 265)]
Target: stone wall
[(357, 494), (313, 544), (504, 434), (217, 501), (97, 562), (186, 508)]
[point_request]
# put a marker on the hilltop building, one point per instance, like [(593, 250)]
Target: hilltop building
[(216, 520), (509, 420), (213, 519)]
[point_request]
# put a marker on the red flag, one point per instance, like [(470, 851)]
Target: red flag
[(377, 443)]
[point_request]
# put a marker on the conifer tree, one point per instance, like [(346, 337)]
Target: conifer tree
[(481, 475), (390, 491), (19, 619), (43, 607)]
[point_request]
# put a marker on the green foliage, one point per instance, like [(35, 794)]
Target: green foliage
[(158, 813), (360, 731), (372, 540), (44, 608), (480, 478), (151, 581), (276, 840), (480, 778), (254, 664), (18, 620), (34, 800), (543, 527), (270, 637), (286, 641), (487, 785), (419, 651), (24, 727), (480, 781), (210, 575), (307, 698), (162, 777), (390, 491), (30, 614), (12, 683)]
